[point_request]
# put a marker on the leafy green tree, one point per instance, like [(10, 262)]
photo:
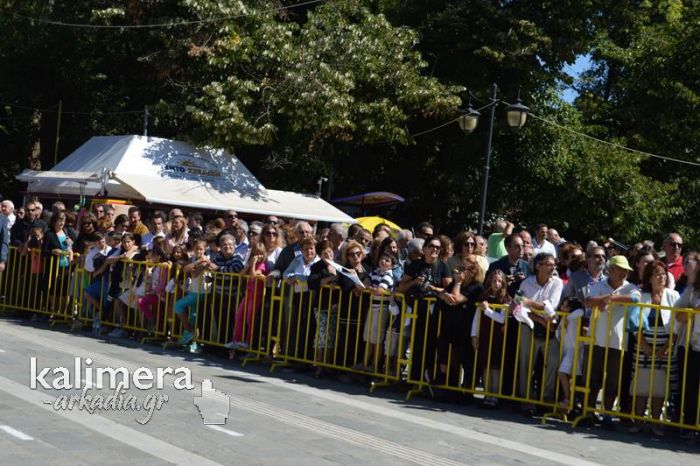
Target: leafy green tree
[(341, 81), (643, 90)]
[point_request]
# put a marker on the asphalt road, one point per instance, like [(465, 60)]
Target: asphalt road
[(273, 418)]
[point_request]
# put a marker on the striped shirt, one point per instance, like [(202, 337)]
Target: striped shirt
[(384, 281)]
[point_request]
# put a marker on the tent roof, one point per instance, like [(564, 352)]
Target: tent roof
[(169, 172)]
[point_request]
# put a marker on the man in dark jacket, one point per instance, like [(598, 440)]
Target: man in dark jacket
[(20, 230)]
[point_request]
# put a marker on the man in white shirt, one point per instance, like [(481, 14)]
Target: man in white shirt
[(540, 243), (608, 298), (8, 210), (540, 294), (157, 224)]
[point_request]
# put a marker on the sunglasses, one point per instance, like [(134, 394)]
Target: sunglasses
[(471, 243), (270, 233), (233, 217), (32, 210), (355, 253), (435, 246), (673, 244)]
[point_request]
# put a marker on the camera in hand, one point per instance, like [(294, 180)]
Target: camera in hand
[(427, 279)]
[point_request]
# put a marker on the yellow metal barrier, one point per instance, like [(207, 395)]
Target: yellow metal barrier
[(651, 376), (484, 356), (37, 283), (356, 332), (654, 377)]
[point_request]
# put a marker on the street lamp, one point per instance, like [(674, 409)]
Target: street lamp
[(516, 115)]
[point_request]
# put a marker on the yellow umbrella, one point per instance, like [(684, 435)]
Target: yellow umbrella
[(371, 222)]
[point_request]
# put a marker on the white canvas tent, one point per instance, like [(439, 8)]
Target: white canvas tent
[(162, 171)]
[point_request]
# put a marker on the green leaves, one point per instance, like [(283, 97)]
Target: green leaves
[(345, 75)]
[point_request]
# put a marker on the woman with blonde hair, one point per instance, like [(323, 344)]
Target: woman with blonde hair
[(178, 233)]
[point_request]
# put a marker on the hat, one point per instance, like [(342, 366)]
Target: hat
[(619, 261)]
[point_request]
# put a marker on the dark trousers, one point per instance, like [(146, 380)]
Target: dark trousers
[(424, 345), (691, 384)]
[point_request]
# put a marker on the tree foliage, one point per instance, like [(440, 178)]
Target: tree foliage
[(353, 90)]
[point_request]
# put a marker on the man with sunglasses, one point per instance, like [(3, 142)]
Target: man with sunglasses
[(673, 247), (231, 219), (580, 282), (21, 229)]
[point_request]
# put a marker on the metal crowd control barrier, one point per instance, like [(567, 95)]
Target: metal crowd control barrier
[(234, 308), (384, 336), (356, 332), (654, 377), (38, 283), (139, 303), (510, 361)]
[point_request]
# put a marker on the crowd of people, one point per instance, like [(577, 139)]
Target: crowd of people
[(478, 301)]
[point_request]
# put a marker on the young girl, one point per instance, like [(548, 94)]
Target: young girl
[(487, 334), (252, 301), (153, 281), (198, 288), (569, 327), (33, 245), (381, 284)]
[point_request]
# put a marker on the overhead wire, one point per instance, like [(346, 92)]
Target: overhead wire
[(579, 133), (613, 144), (445, 124)]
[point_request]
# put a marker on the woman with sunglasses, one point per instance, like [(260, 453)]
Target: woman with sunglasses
[(465, 249), (271, 240), (87, 228), (457, 306), (352, 306), (423, 279)]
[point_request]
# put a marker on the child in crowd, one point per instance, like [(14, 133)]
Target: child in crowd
[(33, 245), (250, 305), (569, 327), (177, 285), (487, 334), (153, 281), (381, 284), (199, 286)]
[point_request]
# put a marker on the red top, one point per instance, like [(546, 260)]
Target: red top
[(676, 268)]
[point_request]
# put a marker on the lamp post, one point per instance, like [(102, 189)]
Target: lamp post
[(516, 115)]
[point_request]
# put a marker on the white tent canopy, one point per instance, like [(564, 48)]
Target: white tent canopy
[(162, 171)]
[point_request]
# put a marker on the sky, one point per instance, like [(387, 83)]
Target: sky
[(581, 64)]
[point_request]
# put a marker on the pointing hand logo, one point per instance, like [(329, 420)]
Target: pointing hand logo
[(213, 405)]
